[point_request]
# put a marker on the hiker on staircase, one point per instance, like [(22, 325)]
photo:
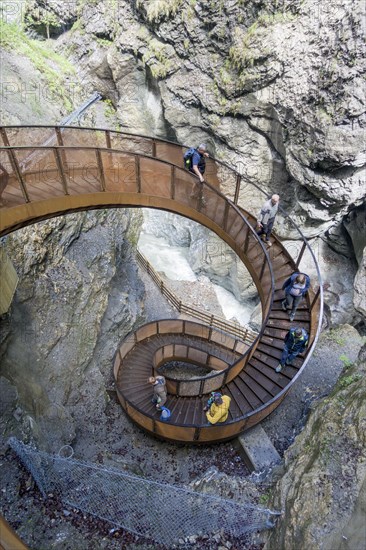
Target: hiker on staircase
[(266, 218), (159, 388), (194, 161), (217, 409)]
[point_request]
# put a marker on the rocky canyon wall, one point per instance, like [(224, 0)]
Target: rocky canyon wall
[(78, 296), (275, 89), (322, 492)]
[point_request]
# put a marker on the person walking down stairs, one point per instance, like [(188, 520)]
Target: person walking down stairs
[(296, 341), (295, 288), (159, 389), (266, 218)]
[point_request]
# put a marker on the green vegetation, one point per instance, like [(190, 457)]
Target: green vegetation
[(157, 59), (53, 66), (104, 42), (78, 26), (334, 336), (264, 499), (345, 360), (158, 9), (109, 111), (346, 381), (247, 49), (243, 53), (45, 20)]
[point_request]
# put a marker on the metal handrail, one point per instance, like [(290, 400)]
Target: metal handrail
[(210, 376), (319, 295), (193, 177)]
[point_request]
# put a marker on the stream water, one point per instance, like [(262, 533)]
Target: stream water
[(173, 262)]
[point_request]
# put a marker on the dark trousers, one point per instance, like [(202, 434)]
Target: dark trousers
[(292, 302), (288, 355), (266, 228)]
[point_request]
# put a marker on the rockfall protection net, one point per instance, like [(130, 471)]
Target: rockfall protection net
[(161, 512)]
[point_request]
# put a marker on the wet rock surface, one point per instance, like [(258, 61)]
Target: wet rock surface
[(322, 490)]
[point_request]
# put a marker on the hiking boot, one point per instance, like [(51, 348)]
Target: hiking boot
[(279, 368), (292, 316), (268, 243), (284, 305)]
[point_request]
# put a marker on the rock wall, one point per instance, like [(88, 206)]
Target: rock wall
[(78, 296), (274, 89), (322, 491)]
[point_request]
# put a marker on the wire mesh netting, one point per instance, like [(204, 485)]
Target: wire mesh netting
[(157, 511)]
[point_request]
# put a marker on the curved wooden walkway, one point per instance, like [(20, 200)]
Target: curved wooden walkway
[(49, 171)]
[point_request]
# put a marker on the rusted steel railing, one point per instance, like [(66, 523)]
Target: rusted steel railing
[(234, 328)]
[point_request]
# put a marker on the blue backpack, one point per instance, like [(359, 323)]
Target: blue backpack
[(187, 157), (165, 414)]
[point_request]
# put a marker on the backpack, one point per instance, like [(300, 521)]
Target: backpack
[(165, 414), (187, 157)]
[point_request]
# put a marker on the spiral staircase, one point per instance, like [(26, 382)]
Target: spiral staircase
[(50, 171)]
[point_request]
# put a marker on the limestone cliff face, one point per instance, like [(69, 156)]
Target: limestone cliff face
[(275, 89), (322, 493), (72, 307)]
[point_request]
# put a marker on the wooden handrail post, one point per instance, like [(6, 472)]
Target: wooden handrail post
[(138, 175), (108, 139), (237, 188), (262, 270), (60, 168), (246, 241), (172, 183), (299, 258), (100, 169), (15, 165), (315, 299)]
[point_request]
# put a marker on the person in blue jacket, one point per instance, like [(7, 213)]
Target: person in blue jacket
[(295, 288), (296, 341), (196, 161)]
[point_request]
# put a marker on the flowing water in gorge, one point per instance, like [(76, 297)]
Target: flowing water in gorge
[(173, 262)]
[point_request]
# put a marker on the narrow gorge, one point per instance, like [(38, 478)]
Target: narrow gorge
[(276, 91)]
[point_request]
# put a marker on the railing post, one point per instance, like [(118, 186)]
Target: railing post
[(197, 434), (315, 299), (237, 188), (108, 139), (246, 242), (60, 141), (262, 269), (100, 169), (299, 258), (138, 175), (226, 215), (61, 169), (172, 182), (153, 148), (15, 165)]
